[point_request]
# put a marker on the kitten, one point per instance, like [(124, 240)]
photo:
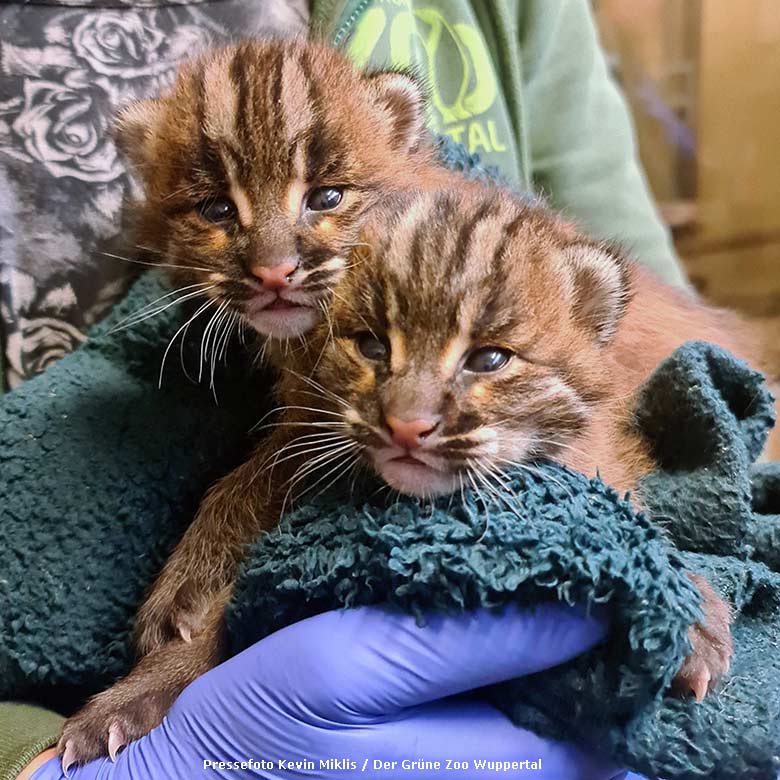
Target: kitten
[(481, 332), (258, 169), (486, 332)]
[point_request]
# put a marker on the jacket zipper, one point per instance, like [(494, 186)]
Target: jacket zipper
[(342, 31)]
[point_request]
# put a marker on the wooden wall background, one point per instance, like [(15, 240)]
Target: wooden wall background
[(703, 80)]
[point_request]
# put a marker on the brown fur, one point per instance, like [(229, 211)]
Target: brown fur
[(586, 325)]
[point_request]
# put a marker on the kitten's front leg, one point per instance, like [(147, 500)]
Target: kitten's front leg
[(233, 513), (134, 705), (180, 627)]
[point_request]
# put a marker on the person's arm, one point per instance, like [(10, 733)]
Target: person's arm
[(37, 762), (25, 731), (581, 141)]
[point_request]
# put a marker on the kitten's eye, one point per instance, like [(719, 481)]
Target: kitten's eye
[(371, 347), (487, 359), (324, 198), (217, 209)]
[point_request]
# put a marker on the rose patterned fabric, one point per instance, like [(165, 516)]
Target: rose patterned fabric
[(65, 67)]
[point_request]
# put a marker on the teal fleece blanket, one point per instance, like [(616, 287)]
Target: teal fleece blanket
[(100, 471)]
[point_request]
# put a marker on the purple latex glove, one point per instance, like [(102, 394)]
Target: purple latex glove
[(363, 686)]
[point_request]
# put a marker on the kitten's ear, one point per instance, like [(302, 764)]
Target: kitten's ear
[(135, 125), (600, 288), (404, 98)]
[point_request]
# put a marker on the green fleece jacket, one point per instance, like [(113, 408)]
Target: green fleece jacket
[(522, 83)]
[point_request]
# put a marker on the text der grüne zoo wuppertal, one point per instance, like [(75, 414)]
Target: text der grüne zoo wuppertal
[(375, 765)]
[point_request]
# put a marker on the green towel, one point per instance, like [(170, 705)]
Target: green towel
[(100, 472), (567, 537)]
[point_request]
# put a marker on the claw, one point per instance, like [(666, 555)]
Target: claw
[(700, 684), (68, 757), (116, 740)]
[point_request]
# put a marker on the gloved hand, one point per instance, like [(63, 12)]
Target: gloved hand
[(355, 690)]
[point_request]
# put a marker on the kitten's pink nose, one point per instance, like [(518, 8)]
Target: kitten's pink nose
[(410, 433), (275, 277)]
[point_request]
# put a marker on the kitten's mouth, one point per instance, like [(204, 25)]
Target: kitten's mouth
[(281, 318), (281, 304), (409, 460), (414, 476)]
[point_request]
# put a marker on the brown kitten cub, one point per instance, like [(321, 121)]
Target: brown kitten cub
[(258, 168), (485, 333)]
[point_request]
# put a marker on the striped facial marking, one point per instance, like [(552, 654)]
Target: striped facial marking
[(262, 164), (472, 326)]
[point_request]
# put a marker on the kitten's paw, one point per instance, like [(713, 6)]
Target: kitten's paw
[(111, 720), (712, 645)]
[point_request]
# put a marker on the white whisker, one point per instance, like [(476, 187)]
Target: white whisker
[(344, 473), (206, 336), (228, 335), (156, 264), (307, 440), (475, 486), (537, 473), (290, 407), (321, 461), (139, 316), (219, 332), (317, 386), (173, 339), (313, 463), (312, 448), (330, 425), (339, 456)]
